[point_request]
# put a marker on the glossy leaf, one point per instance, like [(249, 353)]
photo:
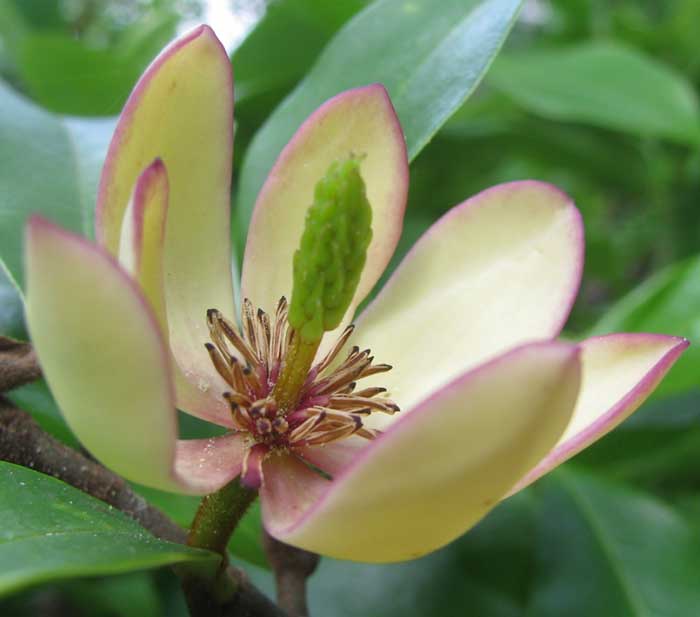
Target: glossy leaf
[(271, 58), (52, 531), (603, 84), (429, 60), (48, 165), (604, 549)]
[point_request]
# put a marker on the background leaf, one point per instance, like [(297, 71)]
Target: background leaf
[(47, 166), (286, 41), (612, 552), (52, 531), (604, 84), (429, 60)]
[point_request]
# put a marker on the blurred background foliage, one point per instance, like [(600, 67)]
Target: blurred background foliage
[(597, 96)]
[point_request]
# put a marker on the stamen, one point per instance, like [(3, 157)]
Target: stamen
[(248, 320), (370, 392), (377, 368), (348, 402), (335, 350), (220, 364), (226, 328), (326, 408)]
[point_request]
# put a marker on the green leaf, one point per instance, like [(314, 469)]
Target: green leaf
[(609, 551), (72, 75), (603, 84), (52, 531), (48, 165), (667, 303), (429, 60), (271, 58)]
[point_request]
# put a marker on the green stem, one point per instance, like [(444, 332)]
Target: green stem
[(207, 590), (218, 516)]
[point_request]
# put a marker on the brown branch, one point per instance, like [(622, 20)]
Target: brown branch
[(18, 364), (292, 566), (24, 442)]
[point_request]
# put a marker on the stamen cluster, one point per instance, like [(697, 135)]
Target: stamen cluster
[(250, 360)]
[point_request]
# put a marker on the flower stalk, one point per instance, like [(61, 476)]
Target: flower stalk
[(218, 516)]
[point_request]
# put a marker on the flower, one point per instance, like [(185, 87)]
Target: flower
[(490, 401)]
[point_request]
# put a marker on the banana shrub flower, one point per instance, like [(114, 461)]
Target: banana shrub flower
[(142, 322)]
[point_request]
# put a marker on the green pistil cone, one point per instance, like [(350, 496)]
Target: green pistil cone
[(332, 252)]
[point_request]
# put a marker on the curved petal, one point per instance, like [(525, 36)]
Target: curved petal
[(103, 356), (444, 464), (619, 372), (501, 269), (359, 121), (142, 234), (182, 112), (141, 247)]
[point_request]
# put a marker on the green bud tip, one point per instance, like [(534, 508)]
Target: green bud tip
[(332, 252)]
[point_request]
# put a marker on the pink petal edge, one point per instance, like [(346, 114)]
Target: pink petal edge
[(152, 174), (632, 399)]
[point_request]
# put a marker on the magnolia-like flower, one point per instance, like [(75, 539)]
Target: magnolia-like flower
[(142, 322)]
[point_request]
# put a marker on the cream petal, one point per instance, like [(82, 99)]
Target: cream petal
[(499, 270), (106, 362), (360, 121), (620, 371), (141, 247), (181, 111), (439, 468)]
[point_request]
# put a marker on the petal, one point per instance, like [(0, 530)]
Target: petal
[(499, 270), (205, 465), (359, 121), (141, 247), (332, 458), (181, 111), (102, 354), (104, 358), (444, 464), (290, 488), (142, 233), (619, 372)]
